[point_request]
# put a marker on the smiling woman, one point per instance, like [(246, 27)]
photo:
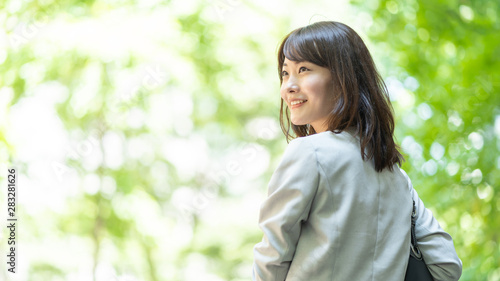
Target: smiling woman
[(338, 206), (338, 73), (307, 89)]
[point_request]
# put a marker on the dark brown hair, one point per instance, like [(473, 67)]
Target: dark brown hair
[(360, 95)]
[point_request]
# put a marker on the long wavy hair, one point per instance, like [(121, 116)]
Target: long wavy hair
[(361, 99)]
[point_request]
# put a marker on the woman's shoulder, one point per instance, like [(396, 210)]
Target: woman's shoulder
[(327, 148), (342, 142)]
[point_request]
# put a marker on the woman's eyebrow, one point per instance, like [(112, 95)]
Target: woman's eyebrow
[(284, 64)]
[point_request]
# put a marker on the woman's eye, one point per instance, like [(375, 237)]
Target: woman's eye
[(283, 73)]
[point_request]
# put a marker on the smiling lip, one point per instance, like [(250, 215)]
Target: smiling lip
[(297, 105)]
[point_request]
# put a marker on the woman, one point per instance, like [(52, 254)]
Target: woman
[(338, 205)]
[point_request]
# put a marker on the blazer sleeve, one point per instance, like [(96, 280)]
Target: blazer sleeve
[(435, 244), (291, 191)]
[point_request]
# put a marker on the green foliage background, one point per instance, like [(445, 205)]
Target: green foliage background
[(145, 132)]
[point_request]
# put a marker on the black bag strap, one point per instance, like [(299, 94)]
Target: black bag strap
[(414, 251)]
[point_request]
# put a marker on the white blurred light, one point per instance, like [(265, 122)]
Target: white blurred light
[(366, 19), (159, 171), (113, 149), (93, 160), (452, 168), (135, 118), (182, 195), (104, 272), (185, 7), (140, 148), (6, 95), (411, 83), (411, 147), (477, 176), (397, 92), (454, 119), (52, 92), (147, 214), (497, 126), (466, 12), (108, 186), (13, 6), (115, 34), (183, 126), (33, 72), (466, 175), (171, 109), (206, 107), (197, 268), (91, 183), (476, 140), (35, 129), (266, 128), (430, 167), (189, 156), (160, 117), (121, 206), (450, 49), (424, 111), (248, 161), (410, 119), (86, 92), (466, 221), (485, 192), (38, 199), (437, 150)]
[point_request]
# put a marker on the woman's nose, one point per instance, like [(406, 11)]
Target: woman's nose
[(291, 85)]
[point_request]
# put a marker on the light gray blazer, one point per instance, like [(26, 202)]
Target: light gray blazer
[(330, 216)]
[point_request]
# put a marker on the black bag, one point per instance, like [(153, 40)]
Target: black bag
[(417, 269)]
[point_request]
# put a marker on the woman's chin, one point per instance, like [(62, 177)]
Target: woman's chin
[(298, 123)]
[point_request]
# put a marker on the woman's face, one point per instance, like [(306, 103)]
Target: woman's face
[(307, 89)]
